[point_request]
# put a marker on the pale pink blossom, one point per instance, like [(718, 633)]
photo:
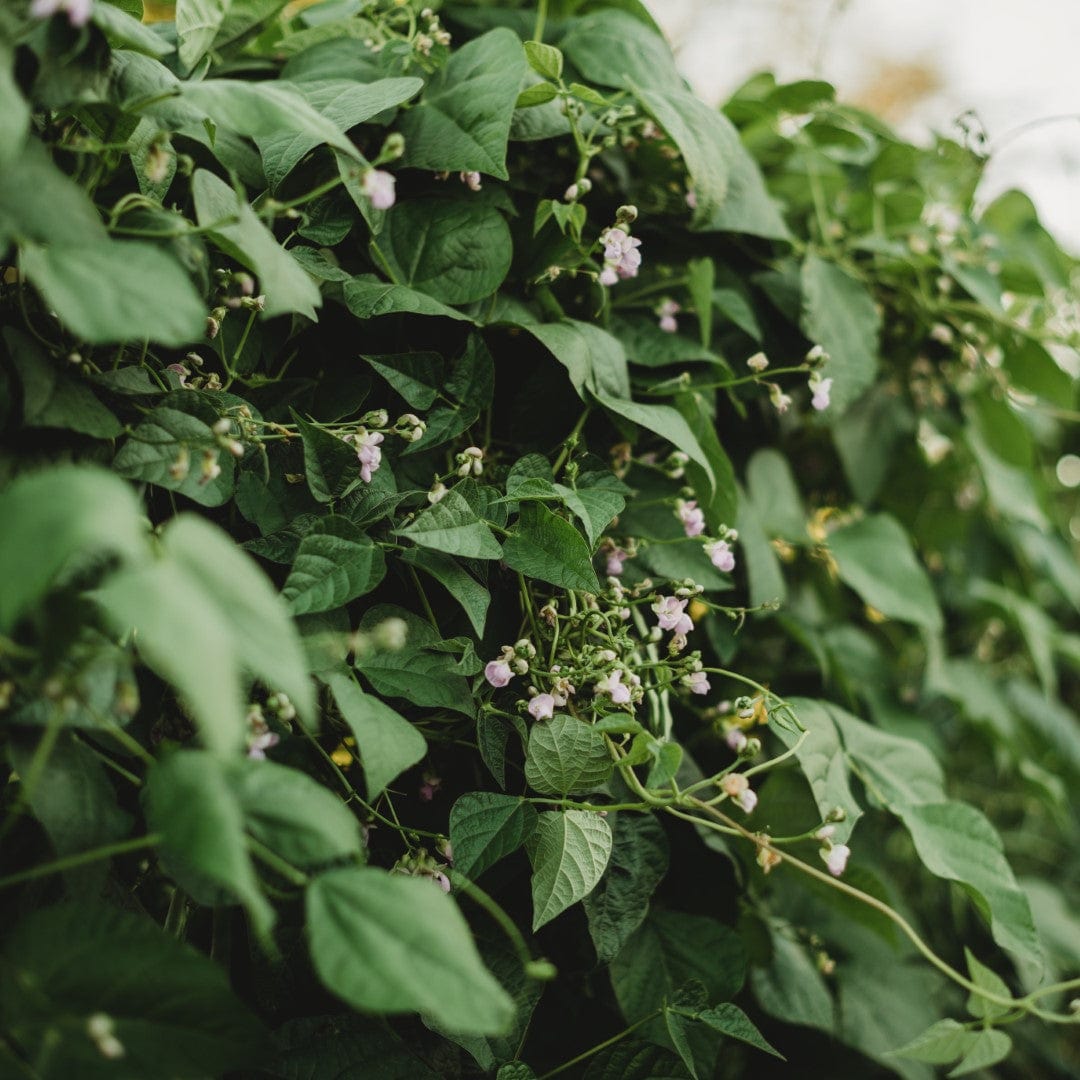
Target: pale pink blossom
[(720, 555), (697, 682), (471, 180), (258, 746), (671, 614), (836, 858), (691, 516), (441, 880), (430, 787), (736, 739), (621, 254), (78, 11), (612, 685), (616, 556), (691, 198), (498, 672), (608, 276), (181, 371), (737, 788), (542, 707), (666, 313), (378, 186), (747, 800), (821, 389), (368, 452)]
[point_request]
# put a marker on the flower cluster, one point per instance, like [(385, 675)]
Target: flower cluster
[(622, 259)]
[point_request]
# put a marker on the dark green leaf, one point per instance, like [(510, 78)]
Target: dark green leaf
[(569, 855), (486, 827), (566, 756), (549, 548), (452, 527)]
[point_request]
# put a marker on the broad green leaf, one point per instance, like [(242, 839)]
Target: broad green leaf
[(545, 60), (669, 949), (566, 756), (172, 1009), (594, 359), (988, 1049), (619, 904), (329, 571), (341, 102), (612, 48), (367, 298), (732, 1022), (956, 842), (979, 1007), (569, 855), (699, 132), (547, 547), (428, 678), (874, 556), (330, 463), (417, 376), (594, 507), (839, 315), (455, 252), (244, 16), (766, 579), (452, 527), (293, 815), (55, 518), (821, 758), (669, 424), (941, 1043), (123, 30), (772, 489), (197, 24), (389, 943), (790, 987), (117, 291), (463, 120), (387, 742), (191, 800), (723, 506), (486, 827), (631, 1059), (701, 279), (232, 224), (462, 586), (170, 447), (14, 111)]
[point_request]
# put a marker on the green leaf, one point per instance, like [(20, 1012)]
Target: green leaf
[(594, 507), (197, 24), (172, 1009), (389, 943), (723, 506), (232, 224), (55, 518), (117, 291), (699, 132), (342, 103), (874, 556), (775, 496), (387, 742), (486, 827), (545, 60), (839, 315), (191, 800), (731, 1021), (456, 252), (701, 279), (669, 949), (329, 571), (293, 815), (570, 853), (941, 1043), (538, 94), (612, 48), (170, 446), (367, 298), (988, 1049), (462, 586), (669, 424), (979, 1007), (956, 842), (619, 904), (123, 30), (14, 112), (452, 527), (463, 120), (330, 463), (547, 547), (566, 756), (594, 359), (790, 987), (417, 376)]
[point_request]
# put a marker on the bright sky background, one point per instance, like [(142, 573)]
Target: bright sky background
[(921, 63)]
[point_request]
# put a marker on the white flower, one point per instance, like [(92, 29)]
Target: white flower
[(719, 552), (817, 354), (368, 452), (836, 857), (666, 312), (612, 685), (437, 493), (470, 460), (758, 362), (691, 516), (498, 673), (737, 788), (621, 256), (471, 180), (821, 389), (378, 186), (781, 401), (697, 682), (78, 11), (542, 707)]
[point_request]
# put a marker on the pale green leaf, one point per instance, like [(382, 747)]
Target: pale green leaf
[(941, 1043), (462, 586), (570, 853), (197, 24), (453, 527), (545, 60), (594, 359), (389, 943), (566, 756), (329, 571), (547, 547), (127, 32), (980, 1007), (486, 827), (988, 1049)]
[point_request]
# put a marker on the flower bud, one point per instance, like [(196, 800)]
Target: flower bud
[(626, 215), (541, 970)]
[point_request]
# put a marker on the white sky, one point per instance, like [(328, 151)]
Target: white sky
[(1012, 62)]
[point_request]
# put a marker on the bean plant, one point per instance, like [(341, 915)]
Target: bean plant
[(508, 570)]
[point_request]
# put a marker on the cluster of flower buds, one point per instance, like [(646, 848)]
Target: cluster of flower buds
[(433, 34), (470, 461), (419, 863), (390, 635), (615, 555), (835, 856), (514, 660), (737, 788), (578, 189), (666, 311), (542, 706), (410, 427), (102, 1031)]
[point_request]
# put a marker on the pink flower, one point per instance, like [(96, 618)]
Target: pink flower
[(542, 707), (736, 739), (697, 682), (258, 746), (667, 312), (78, 11), (671, 614), (616, 556), (441, 880), (691, 516), (836, 857), (471, 180), (691, 198), (821, 389), (719, 552), (368, 452), (747, 800), (612, 684), (608, 276), (497, 672), (430, 787), (378, 186), (182, 372), (621, 255), (737, 788)]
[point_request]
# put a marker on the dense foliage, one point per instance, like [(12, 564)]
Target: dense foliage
[(507, 569)]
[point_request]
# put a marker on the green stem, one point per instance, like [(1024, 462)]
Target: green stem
[(541, 19), (460, 882), (584, 1056), (570, 441), (80, 859), (276, 863)]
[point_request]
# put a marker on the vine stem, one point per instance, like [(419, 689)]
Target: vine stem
[(506, 924), (585, 1055), (541, 20), (81, 859)]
